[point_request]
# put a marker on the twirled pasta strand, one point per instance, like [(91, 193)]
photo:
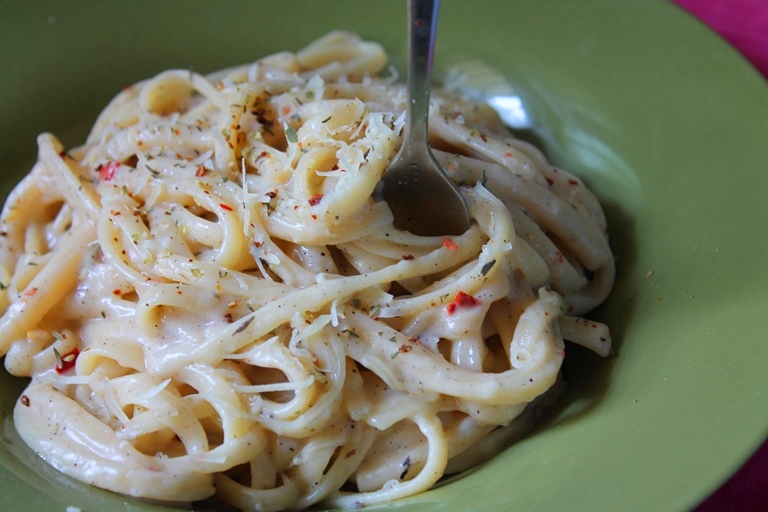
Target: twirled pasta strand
[(209, 298)]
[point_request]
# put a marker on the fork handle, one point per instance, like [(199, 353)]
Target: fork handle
[(422, 29)]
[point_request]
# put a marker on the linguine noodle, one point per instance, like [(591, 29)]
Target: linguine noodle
[(209, 299)]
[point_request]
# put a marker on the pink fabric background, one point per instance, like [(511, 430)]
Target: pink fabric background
[(744, 24)]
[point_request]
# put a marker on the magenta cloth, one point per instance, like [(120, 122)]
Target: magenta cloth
[(744, 24)]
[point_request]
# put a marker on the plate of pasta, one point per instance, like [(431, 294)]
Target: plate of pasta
[(206, 306)]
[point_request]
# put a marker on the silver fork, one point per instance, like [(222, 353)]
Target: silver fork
[(422, 197)]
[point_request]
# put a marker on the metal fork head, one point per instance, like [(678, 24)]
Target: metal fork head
[(423, 199)]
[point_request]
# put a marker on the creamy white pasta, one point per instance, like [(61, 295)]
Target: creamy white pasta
[(209, 299)]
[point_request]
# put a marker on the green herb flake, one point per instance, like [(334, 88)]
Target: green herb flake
[(291, 135), (310, 94), (59, 360), (58, 336), (243, 326), (326, 119), (196, 272), (487, 267)]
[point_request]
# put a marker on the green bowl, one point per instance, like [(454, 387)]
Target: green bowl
[(665, 122)]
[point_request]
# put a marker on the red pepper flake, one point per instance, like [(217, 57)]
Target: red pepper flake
[(550, 181), (228, 318), (24, 400), (335, 167), (107, 171), (225, 206), (314, 217), (407, 257), (114, 213), (402, 349), (67, 361), (272, 194), (315, 199), (449, 244), (117, 292), (30, 292), (350, 453), (200, 171), (462, 300), (263, 154), (573, 182), (257, 244), (508, 154)]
